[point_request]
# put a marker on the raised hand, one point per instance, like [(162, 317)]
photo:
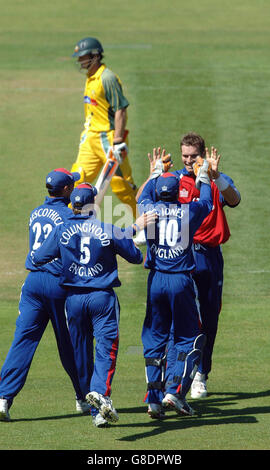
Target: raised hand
[(213, 159), (160, 162)]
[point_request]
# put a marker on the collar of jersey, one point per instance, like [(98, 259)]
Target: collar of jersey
[(82, 216), (98, 72), (56, 200), (186, 173)]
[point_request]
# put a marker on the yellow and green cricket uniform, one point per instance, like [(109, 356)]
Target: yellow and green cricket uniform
[(103, 96)]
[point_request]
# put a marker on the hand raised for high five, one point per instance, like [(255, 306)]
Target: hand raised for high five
[(213, 159), (160, 162)]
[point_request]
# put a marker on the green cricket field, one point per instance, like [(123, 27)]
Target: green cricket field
[(185, 66)]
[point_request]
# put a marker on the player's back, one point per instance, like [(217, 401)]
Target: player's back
[(43, 219), (88, 250), (103, 95), (169, 247)]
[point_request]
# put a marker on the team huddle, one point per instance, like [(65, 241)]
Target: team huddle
[(73, 271)]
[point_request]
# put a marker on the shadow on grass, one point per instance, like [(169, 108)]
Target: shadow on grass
[(48, 418), (208, 412)]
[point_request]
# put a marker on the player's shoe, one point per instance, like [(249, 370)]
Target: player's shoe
[(155, 411), (104, 406), (99, 421), (82, 406), (198, 386), (180, 405), (4, 413), (140, 239)]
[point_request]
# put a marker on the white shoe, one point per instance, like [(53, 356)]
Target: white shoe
[(155, 411), (198, 386), (99, 421), (4, 413), (82, 406), (104, 406), (140, 238), (180, 405)]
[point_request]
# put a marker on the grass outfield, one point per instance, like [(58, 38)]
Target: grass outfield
[(201, 66)]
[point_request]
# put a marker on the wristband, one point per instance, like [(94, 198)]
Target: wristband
[(221, 183)]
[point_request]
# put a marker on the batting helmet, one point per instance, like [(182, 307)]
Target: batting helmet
[(87, 46)]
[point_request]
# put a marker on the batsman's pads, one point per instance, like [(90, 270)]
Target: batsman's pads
[(202, 170), (115, 157), (162, 166), (190, 363)]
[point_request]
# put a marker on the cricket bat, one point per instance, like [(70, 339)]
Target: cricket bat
[(107, 172)]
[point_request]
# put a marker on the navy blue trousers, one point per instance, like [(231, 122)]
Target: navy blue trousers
[(208, 278), (42, 300), (171, 300), (94, 315)]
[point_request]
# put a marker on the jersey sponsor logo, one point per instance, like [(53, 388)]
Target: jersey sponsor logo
[(183, 193), (89, 100)]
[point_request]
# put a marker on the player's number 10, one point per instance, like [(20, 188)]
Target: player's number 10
[(168, 231)]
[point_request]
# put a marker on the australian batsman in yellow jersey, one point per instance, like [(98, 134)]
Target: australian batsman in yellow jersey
[(103, 97)]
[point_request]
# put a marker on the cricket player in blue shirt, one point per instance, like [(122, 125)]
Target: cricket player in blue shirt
[(171, 298), (88, 249), (42, 299), (207, 241)]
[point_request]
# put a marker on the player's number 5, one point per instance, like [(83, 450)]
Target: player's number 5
[(85, 250)]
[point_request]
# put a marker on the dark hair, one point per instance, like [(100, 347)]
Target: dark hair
[(195, 140), (99, 54), (55, 192), (79, 210), (76, 210), (168, 197)]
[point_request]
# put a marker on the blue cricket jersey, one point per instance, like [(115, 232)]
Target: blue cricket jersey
[(214, 230), (88, 249), (149, 191), (169, 247), (52, 213)]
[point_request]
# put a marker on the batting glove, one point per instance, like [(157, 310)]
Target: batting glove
[(119, 151)]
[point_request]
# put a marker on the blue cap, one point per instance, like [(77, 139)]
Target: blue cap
[(59, 178), (83, 194), (167, 184)]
